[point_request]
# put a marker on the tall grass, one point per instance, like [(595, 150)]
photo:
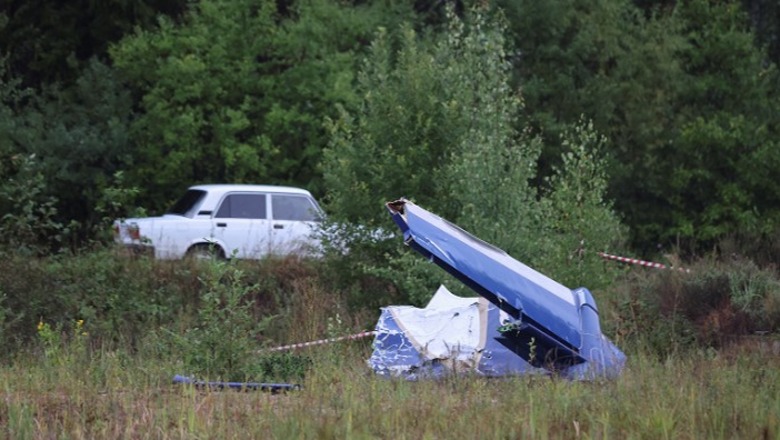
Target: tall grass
[(700, 395), (75, 372)]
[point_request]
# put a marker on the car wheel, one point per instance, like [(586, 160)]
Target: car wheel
[(205, 252)]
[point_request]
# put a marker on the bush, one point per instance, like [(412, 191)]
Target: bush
[(222, 342), (437, 124), (28, 215), (120, 298), (219, 314), (708, 306)]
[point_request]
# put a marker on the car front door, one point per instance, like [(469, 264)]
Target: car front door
[(242, 224), (294, 218)]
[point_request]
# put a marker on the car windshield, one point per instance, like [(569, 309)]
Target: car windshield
[(186, 205)]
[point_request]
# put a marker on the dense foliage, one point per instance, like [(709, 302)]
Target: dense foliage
[(49, 41), (458, 153), (173, 93), (553, 129), (238, 94), (685, 97)]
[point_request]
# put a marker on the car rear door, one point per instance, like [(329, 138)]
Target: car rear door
[(242, 224), (294, 218)]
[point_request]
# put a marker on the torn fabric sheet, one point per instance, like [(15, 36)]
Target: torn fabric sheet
[(451, 334)]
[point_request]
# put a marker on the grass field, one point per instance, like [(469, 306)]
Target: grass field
[(92, 343), (701, 394)]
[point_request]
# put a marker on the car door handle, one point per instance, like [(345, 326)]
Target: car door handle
[(222, 225), (278, 226)]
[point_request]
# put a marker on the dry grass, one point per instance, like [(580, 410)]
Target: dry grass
[(732, 394), (75, 390)]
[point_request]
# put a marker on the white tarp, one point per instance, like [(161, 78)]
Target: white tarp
[(449, 334)]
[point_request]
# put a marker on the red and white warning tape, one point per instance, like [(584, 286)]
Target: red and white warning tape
[(322, 341), (372, 333), (640, 262)]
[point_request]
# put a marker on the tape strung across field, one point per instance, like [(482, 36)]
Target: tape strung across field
[(367, 334), (321, 341), (640, 262)]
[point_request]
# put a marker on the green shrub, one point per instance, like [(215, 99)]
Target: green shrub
[(279, 367), (222, 340), (710, 305), (7, 321), (755, 292), (438, 124), (28, 214), (121, 298), (641, 321)]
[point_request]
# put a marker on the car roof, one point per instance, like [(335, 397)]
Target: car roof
[(228, 187)]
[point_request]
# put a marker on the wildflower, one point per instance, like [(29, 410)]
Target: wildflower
[(41, 325), (80, 327)]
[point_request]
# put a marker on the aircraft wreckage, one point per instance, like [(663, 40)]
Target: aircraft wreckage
[(522, 323)]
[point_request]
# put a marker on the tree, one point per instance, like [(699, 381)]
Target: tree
[(619, 68), (67, 144), (720, 180), (684, 97), (580, 221), (437, 124), (53, 41), (237, 92)]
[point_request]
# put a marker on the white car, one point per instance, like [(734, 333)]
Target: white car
[(234, 221)]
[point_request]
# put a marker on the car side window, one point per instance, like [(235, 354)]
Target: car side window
[(296, 208), (243, 206)]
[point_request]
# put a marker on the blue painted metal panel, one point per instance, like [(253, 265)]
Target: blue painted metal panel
[(238, 386), (554, 327), (543, 305)]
